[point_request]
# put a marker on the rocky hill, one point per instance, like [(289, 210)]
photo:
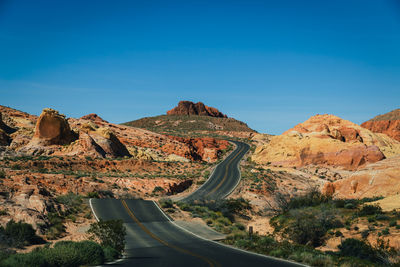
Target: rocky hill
[(194, 119), (388, 123), (190, 108), (326, 140)]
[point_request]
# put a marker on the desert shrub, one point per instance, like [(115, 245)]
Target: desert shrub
[(64, 253), (56, 227), (16, 167), (227, 207), (385, 231), (93, 195), (20, 234), (392, 223), (69, 253), (2, 174), (110, 233), (33, 258), (106, 194), (370, 210), (338, 233), (349, 206), (3, 212), (166, 203), (365, 234), (110, 254), (158, 189), (311, 199), (309, 225), (382, 217), (356, 248)]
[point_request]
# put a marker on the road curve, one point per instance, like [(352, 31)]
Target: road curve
[(154, 240), (224, 178)]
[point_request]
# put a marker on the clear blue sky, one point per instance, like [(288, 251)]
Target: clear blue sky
[(271, 64)]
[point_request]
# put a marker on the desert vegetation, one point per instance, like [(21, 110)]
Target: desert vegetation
[(106, 245)]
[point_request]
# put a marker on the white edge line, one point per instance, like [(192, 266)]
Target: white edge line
[(94, 213), (215, 167), (224, 245), (97, 218)]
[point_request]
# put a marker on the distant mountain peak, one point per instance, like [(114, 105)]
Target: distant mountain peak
[(190, 108)]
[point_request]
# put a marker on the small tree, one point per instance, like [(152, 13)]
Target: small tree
[(109, 233)]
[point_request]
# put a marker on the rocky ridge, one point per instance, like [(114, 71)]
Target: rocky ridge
[(388, 124)]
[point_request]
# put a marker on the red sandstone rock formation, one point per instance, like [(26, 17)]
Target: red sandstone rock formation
[(93, 117), (190, 108), (203, 148), (53, 129), (388, 123)]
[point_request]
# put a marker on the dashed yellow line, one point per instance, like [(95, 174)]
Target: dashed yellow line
[(226, 174), (210, 262)]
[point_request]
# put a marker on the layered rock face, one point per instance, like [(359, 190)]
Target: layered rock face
[(378, 179), (326, 140), (388, 124), (190, 108), (53, 129)]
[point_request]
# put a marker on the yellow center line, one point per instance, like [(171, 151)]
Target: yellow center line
[(147, 231), (226, 174)]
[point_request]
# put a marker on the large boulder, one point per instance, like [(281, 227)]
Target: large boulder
[(109, 143), (190, 108), (53, 129)]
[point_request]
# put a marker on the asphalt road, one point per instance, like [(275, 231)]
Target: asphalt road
[(153, 240), (224, 178)]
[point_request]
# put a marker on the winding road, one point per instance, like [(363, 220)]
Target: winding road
[(153, 239)]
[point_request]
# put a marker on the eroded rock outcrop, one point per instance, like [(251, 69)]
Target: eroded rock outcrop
[(93, 117), (378, 179), (53, 129), (190, 108), (388, 124), (109, 142), (326, 140), (203, 148)]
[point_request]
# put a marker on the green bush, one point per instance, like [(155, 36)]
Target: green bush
[(19, 234), (110, 233), (356, 248), (64, 253), (34, 258), (370, 210), (166, 203), (365, 234), (93, 195), (110, 254), (392, 223), (2, 174), (349, 206)]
